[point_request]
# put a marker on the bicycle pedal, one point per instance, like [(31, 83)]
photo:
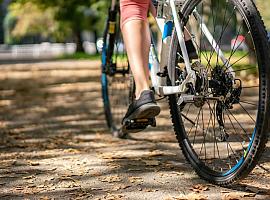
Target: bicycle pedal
[(137, 125)]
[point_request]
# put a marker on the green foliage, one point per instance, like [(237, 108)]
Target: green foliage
[(80, 56), (60, 19), (77, 14), (37, 22)]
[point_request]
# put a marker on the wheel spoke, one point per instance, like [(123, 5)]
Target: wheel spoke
[(218, 125)]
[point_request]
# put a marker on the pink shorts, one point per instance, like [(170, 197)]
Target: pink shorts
[(134, 9)]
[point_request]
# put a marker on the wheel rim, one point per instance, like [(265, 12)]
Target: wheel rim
[(202, 122)]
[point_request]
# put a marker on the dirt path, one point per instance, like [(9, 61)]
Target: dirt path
[(54, 144)]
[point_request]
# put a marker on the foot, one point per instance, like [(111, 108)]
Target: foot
[(143, 108)]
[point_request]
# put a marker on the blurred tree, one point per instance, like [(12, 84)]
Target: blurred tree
[(75, 15), (37, 22)]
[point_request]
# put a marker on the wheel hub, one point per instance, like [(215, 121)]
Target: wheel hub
[(201, 86), (221, 82)]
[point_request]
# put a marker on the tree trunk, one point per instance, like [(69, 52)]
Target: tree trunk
[(79, 42), (96, 38)]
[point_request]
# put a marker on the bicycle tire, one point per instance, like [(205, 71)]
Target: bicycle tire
[(259, 137), (116, 79)]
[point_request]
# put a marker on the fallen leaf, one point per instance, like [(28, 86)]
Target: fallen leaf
[(121, 187), (191, 196), (112, 197), (224, 191), (19, 163), (178, 173), (66, 178), (96, 174), (151, 162), (196, 196), (19, 188), (150, 190), (111, 179), (71, 151), (135, 179), (180, 197), (250, 195), (96, 189), (45, 198), (34, 163), (31, 186), (233, 196), (29, 177), (50, 170), (156, 153), (199, 188)]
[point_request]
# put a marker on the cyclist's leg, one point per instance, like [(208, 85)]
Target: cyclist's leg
[(137, 41), (136, 35)]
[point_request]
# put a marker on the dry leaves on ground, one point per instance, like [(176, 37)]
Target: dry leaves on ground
[(259, 189), (111, 179), (151, 162), (199, 188), (149, 190), (121, 187), (191, 196), (33, 163), (238, 196), (112, 197), (29, 177), (136, 180)]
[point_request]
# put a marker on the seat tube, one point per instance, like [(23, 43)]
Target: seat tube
[(165, 50), (113, 4)]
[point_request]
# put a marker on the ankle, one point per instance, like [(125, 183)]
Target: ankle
[(138, 93)]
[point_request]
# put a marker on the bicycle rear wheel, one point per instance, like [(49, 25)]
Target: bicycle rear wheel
[(117, 81), (223, 138)]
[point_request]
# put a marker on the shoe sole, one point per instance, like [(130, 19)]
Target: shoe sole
[(146, 111)]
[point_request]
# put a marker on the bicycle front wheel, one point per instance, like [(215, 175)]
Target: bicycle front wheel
[(117, 81), (223, 133)]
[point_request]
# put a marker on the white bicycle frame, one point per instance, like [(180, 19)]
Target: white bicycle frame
[(167, 19)]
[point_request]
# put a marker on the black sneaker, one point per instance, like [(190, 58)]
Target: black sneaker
[(143, 108)]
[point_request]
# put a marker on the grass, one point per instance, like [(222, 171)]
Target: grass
[(80, 56), (241, 64), (239, 60)]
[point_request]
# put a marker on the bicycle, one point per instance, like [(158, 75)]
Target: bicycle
[(219, 102)]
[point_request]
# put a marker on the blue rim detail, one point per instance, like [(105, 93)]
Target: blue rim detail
[(240, 162), (235, 167), (104, 88), (252, 139), (103, 56), (168, 27), (104, 80)]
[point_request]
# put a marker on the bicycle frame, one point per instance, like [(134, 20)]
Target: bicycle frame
[(167, 19)]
